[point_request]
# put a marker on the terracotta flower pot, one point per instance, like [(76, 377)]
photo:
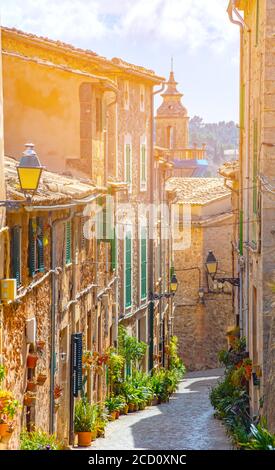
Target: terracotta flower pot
[(31, 361), (29, 401), (155, 402), (93, 435), (31, 386), (3, 429), (41, 379), (131, 407), (124, 410), (84, 439), (112, 416), (117, 414)]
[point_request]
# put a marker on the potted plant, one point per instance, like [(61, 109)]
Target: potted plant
[(113, 406), (8, 409), (41, 377), (31, 386), (39, 440), (84, 422), (32, 360), (29, 399)]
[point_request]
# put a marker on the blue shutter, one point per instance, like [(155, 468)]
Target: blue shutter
[(128, 270), (32, 246), (16, 254)]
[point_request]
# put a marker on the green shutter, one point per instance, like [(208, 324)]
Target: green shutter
[(40, 244), (68, 242), (128, 270), (16, 254), (128, 163), (143, 163), (32, 246), (82, 238), (114, 251), (143, 262)]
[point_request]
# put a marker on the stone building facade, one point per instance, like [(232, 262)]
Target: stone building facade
[(203, 313), (255, 205), (91, 120)]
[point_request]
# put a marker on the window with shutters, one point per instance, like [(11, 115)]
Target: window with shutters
[(142, 97), (143, 262), (68, 242), (36, 245), (126, 98), (16, 253), (128, 268), (143, 164), (128, 164)]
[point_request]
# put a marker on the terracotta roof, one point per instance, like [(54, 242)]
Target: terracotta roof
[(115, 63), (197, 191), (54, 188)]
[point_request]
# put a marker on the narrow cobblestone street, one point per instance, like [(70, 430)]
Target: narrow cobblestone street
[(187, 422)]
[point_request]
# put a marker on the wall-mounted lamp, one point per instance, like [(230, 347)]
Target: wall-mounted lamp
[(211, 266)]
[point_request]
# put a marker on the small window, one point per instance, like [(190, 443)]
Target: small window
[(126, 97), (16, 253), (142, 98)]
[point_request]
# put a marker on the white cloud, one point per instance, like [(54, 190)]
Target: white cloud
[(192, 23)]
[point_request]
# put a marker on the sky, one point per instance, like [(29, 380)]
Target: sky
[(197, 33)]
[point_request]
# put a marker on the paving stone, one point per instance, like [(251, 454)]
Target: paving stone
[(186, 422)]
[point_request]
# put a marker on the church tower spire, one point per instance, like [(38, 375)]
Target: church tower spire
[(172, 121)]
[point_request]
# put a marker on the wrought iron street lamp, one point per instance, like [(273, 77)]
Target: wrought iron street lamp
[(212, 267), (211, 264), (173, 289), (29, 172)]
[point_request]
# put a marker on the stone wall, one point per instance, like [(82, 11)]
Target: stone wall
[(201, 327)]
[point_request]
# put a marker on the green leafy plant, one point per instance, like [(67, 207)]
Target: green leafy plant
[(85, 416), (39, 440), (115, 403), (2, 373), (260, 439)]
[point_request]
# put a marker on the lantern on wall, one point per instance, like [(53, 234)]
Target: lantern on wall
[(29, 170)]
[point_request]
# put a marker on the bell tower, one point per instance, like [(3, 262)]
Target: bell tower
[(172, 121)]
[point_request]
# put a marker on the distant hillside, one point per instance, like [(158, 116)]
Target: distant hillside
[(218, 137)]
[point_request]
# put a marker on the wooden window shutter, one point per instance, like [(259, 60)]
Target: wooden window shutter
[(128, 163), (128, 270), (16, 254), (40, 244), (143, 263), (68, 235), (76, 363), (32, 246)]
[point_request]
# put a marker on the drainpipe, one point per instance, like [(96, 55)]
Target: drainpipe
[(244, 192), (151, 240), (53, 315)]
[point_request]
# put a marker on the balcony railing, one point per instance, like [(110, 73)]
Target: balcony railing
[(189, 154)]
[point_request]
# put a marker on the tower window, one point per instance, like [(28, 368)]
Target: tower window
[(170, 137)]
